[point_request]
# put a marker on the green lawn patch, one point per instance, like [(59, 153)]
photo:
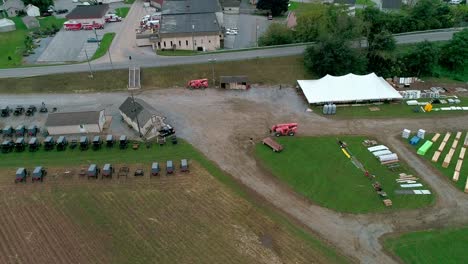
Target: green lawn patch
[(177, 52), (365, 3), (129, 2), (122, 11), (104, 45), (48, 22), (316, 168), (432, 246), (447, 172)]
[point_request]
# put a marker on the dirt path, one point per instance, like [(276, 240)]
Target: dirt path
[(221, 123)]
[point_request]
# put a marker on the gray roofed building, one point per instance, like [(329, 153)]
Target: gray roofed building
[(190, 6), (139, 112), (31, 22), (75, 122), (12, 7), (188, 23), (86, 12)]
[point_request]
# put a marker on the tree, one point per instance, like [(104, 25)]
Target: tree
[(380, 54), (276, 34), (277, 7), (421, 60), (334, 56), (42, 4), (431, 14), (311, 23), (455, 54)]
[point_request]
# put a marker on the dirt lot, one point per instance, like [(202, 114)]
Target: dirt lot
[(221, 123), (189, 218)]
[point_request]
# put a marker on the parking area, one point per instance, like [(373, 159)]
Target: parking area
[(250, 27)]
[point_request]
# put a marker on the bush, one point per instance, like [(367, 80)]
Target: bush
[(276, 34)]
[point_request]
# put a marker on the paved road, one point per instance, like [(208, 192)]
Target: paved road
[(145, 60)]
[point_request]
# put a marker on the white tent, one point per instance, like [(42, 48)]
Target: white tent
[(348, 88)]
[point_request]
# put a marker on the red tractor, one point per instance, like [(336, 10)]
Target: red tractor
[(288, 129), (198, 84)]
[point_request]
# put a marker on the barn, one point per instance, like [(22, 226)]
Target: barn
[(234, 82), (348, 88), (89, 14), (75, 122), (136, 112)]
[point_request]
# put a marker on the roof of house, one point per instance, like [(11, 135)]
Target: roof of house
[(31, 6), (138, 108), (73, 118), (91, 11), (230, 3), (190, 6), (17, 4), (5, 22), (30, 21), (232, 79), (189, 23), (391, 4)]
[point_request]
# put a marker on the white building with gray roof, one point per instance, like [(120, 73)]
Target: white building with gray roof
[(141, 116)]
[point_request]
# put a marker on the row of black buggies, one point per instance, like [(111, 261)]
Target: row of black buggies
[(20, 131), (61, 143), (37, 174), (108, 170)]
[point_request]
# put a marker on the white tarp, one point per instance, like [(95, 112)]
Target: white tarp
[(377, 148), (348, 88)]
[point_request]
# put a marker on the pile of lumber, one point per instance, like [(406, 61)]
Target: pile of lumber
[(436, 156), (449, 155), (456, 173), (409, 181), (387, 202)]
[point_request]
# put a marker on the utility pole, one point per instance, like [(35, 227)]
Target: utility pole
[(110, 58), (89, 64), (97, 39), (256, 32)]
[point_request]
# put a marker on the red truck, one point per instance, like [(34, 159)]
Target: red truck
[(72, 25), (93, 26), (275, 146)]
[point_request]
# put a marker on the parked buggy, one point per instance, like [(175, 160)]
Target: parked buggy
[(184, 167), (123, 142), (19, 110), (73, 143), (169, 167), (49, 143), (174, 139), (84, 143), (123, 172), (7, 146), (97, 142), (93, 171), (107, 171), (5, 111), (31, 110), (155, 169), (139, 172), (38, 174), (20, 130), (43, 108), (33, 144), (21, 175), (62, 143), (19, 144), (7, 131), (33, 130), (110, 141)]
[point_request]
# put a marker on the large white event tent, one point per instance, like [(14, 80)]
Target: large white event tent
[(348, 88)]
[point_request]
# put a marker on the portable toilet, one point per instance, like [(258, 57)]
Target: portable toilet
[(107, 170), (406, 133), (38, 174), (421, 133), (169, 167), (155, 169), (325, 109), (21, 174), (109, 140), (184, 167), (333, 109)]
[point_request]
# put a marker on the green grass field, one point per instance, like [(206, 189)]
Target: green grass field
[(316, 168), (447, 172), (99, 210), (122, 11), (432, 246), (106, 41), (390, 110), (47, 22)]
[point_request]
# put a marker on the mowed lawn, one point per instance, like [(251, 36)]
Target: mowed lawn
[(189, 218), (316, 168), (432, 246), (447, 172), (106, 41), (122, 11)]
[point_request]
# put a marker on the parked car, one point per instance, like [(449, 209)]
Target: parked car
[(62, 11), (93, 40), (46, 14)]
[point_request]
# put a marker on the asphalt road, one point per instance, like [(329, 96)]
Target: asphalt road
[(159, 61)]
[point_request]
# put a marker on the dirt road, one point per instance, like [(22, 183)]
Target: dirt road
[(221, 123)]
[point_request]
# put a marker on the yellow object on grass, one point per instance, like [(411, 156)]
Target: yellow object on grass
[(346, 153), (428, 107)]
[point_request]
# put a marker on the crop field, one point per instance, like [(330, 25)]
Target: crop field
[(447, 172), (316, 168), (195, 217), (432, 246)]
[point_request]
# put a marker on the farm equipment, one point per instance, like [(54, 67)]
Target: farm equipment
[(107, 171), (155, 169), (288, 129), (198, 84), (33, 144), (123, 142), (97, 142), (19, 131), (166, 130), (139, 172), (19, 144), (7, 146), (169, 167), (275, 146), (49, 143), (84, 143), (184, 167), (93, 171), (62, 143), (123, 172), (21, 174), (31, 110), (43, 108), (32, 130), (19, 110), (110, 141), (5, 111), (38, 174), (7, 131)]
